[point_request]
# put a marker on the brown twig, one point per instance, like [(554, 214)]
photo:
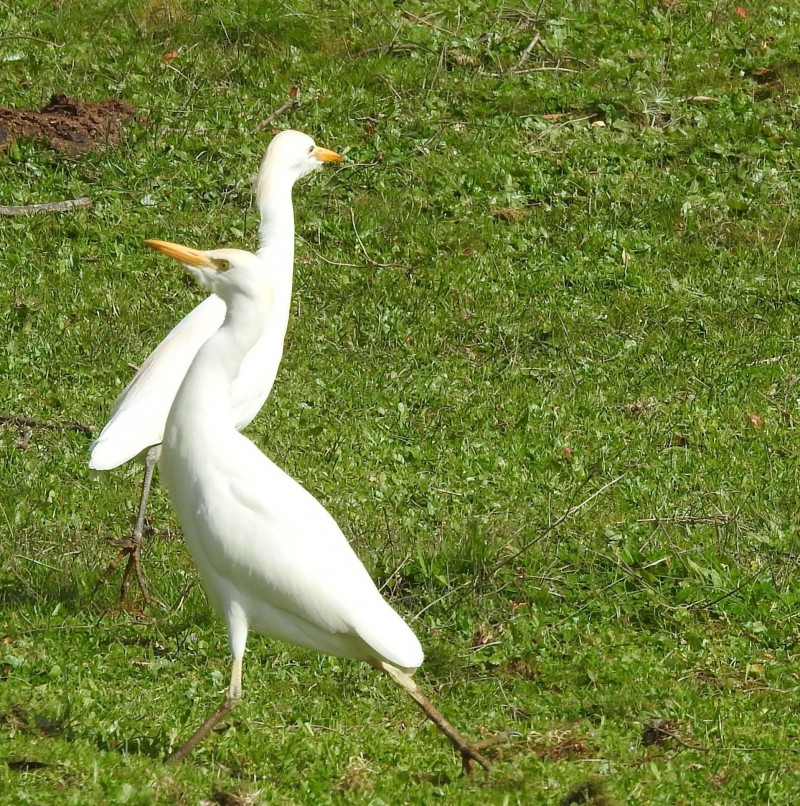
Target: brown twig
[(22, 421), (293, 103), (46, 207), (520, 15)]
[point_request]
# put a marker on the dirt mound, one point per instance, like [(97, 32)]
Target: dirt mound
[(67, 124)]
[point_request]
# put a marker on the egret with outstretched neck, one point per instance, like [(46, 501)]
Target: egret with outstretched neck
[(270, 556), (136, 425)]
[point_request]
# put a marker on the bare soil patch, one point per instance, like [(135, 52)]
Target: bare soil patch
[(67, 124)]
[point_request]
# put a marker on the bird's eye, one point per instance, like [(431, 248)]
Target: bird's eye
[(220, 264), (311, 150)]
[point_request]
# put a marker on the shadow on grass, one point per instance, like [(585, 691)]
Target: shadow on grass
[(42, 591)]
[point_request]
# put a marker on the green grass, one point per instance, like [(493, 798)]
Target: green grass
[(524, 292)]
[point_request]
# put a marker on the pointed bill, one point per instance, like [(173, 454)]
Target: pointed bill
[(326, 155), (187, 256)]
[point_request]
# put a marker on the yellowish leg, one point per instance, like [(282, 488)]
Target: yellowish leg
[(130, 547), (225, 707), (469, 752)]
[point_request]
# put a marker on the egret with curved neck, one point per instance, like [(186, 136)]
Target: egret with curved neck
[(136, 425), (270, 556)]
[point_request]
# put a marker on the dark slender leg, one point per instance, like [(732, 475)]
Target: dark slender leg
[(232, 698), (468, 750), (130, 547)]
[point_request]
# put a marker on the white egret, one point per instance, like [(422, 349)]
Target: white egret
[(136, 425), (270, 556)]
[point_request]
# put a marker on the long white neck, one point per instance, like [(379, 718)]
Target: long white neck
[(203, 403), (274, 201), (254, 380)]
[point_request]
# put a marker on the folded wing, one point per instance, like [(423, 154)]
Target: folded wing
[(140, 412)]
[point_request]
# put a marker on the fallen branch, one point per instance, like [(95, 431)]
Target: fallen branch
[(46, 207), (22, 421), (291, 104)]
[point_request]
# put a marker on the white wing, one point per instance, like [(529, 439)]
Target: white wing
[(140, 412), (262, 541)]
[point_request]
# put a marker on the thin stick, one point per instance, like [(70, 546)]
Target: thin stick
[(37, 562), (392, 575), (334, 262), (291, 104), (366, 254), (558, 521), (31, 39), (554, 69), (424, 21), (23, 421), (780, 241), (46, 207), (390, 48), (686, 520), (527, 52)]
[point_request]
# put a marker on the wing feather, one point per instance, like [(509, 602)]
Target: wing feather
[(140, 412)]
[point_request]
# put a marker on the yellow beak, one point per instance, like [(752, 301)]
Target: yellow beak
[(326, 155), (190, 257)]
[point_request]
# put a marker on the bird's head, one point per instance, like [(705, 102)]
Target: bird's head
[(292, 155), (224, 271)]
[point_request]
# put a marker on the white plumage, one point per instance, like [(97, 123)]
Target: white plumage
[(136, 425), (137, 420), (270, 556)]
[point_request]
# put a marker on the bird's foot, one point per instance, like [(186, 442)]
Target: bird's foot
[(130, 550), (472, 751), (469, 753)]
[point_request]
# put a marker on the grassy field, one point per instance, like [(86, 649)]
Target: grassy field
[(541, 367)]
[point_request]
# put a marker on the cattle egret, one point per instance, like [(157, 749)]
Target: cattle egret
[(136, 425), (270, 556)]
